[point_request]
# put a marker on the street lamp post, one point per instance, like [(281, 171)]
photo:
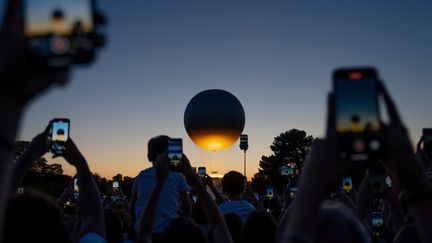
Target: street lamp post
[(244, 146)]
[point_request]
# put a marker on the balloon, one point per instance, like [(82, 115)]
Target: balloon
[(214, 119)]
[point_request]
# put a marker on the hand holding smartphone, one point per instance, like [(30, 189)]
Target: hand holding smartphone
[(357, 114), (60, 33), (59, 133)]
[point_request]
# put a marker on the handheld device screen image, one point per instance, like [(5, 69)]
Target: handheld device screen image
[(175, 153), (76, 188), (59, 135), (59, 27), (347, 183), (269, 192), (115, 184), (357, 114), (285, 170), (201, 171), (377, 219)]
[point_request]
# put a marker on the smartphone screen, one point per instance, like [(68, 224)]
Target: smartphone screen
[(357, 114), (377, 219), (60, 129), (58, 27), (347, 183), (175, 153), (76, 188), (269, 192), (285, 170), (201, 171), (115, 184)]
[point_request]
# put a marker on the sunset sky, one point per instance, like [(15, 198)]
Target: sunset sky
[(276, 57)]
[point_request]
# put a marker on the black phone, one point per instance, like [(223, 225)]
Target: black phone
[(60, 130), (427, 141), (201, 171), (357, 114), (175, 154), (60, 32)]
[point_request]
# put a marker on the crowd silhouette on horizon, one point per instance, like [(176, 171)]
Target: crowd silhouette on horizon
[(184, 206)]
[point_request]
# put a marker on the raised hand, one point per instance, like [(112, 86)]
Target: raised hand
[(20, 79), (161, 165)]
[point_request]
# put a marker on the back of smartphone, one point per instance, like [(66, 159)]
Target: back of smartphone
[(357, 114)]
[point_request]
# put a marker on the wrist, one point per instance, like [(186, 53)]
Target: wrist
[(80, 165)]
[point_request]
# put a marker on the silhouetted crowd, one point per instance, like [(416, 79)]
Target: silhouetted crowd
[(390, 202)]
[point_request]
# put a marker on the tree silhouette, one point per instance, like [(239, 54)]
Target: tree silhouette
[(289, 149), (41, 176)]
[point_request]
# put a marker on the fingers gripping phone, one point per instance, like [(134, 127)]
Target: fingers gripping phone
[(60, 130), (357, 114), (60, 32), (175, 154)]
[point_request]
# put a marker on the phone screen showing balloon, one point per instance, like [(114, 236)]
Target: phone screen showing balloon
[(175, 154)]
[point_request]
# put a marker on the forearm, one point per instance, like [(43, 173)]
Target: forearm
[(20, 170), (219, 199), (149, 215), (10, 115), (423, 220), (89, 201), (214, 217), (303, 213)]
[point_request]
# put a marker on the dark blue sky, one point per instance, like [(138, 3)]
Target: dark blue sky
[(275, 56)]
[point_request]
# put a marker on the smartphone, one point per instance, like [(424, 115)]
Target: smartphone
[(347, 184), (115, 185), (76, 188), (427, 141), (60, 32), (286, 170), (357, 114), (377, 219), (175, 154), (201, 171), (60, 130), (270, 192)]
